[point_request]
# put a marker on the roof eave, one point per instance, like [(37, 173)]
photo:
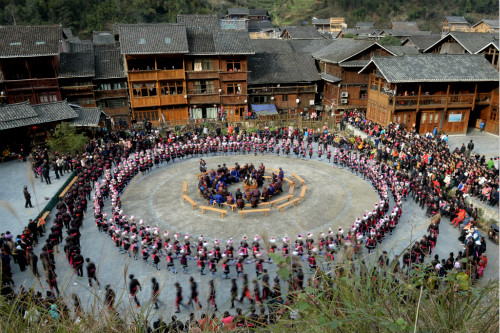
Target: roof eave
[(433, 81), (29, 55)]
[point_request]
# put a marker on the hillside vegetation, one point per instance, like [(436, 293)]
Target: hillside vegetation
[(85, 16)]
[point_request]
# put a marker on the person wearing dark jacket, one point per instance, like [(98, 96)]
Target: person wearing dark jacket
[(27, 197)]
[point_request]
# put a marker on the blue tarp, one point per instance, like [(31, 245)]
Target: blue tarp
[(264, 109)]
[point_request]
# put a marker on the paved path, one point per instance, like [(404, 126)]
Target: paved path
[(113, 267), (14, 176)]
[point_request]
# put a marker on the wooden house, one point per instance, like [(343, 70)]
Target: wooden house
[(339, 63), (449, 92), (300, 32), (76, 71), (282, 77), (216, 68), (322, 25), (455, 23), (110, 86), (29, 61), (259, 15), (468, 43), (238, 13), (154, 62), (486, 25), (421, 42)]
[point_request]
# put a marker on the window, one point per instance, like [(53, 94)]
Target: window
[(171, 88), (424, 118), (116, 103), (149, 115), (260, 99), (48, 98), (144, 89), (105, 86), (203, 65), (284, 98), (233, 88), (233, 66), (118, 85), (203, 87)]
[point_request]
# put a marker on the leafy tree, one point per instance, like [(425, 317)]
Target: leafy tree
[(66, 138), (390, 41)]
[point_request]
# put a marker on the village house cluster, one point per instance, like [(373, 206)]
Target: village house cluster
[(241, 66)]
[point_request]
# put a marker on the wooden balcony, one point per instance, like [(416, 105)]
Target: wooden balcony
[(204, 98), (233, 76), (233, 99), (77, 88), (433, 101), (116, 93), (155, 75), (31, 84), (283, 90), (172, 99), (172, 74), (138, 102), (483, 99), (202, 75)]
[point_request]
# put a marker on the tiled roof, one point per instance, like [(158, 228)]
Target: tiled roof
[(202, 22), (309, 45), (238, 11), (401, 50), (271, 46), (423, 42), (256, 26), (492, 23), (321, 21), (45, 113), (472, 42), (103, 37), (272, 68), (435, 68), (456, 19), (354, 63), (341, 49), (405, 32), (489, 22), (29, 41), (233, 24), (405, 25), (17, 111), (76, 64), (303, 32), (153, 38), (78, 46), (258, 12), (232, 42), (330, 78), (108, 65), (67, 32), (200, 42), (87, 117)]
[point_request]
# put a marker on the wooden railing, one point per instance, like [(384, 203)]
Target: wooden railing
[(233, 76), (282, 90), (483, 98), (153, 75), (31, 84), (432, 101)]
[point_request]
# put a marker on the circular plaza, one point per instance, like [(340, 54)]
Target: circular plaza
[(334, 198)]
